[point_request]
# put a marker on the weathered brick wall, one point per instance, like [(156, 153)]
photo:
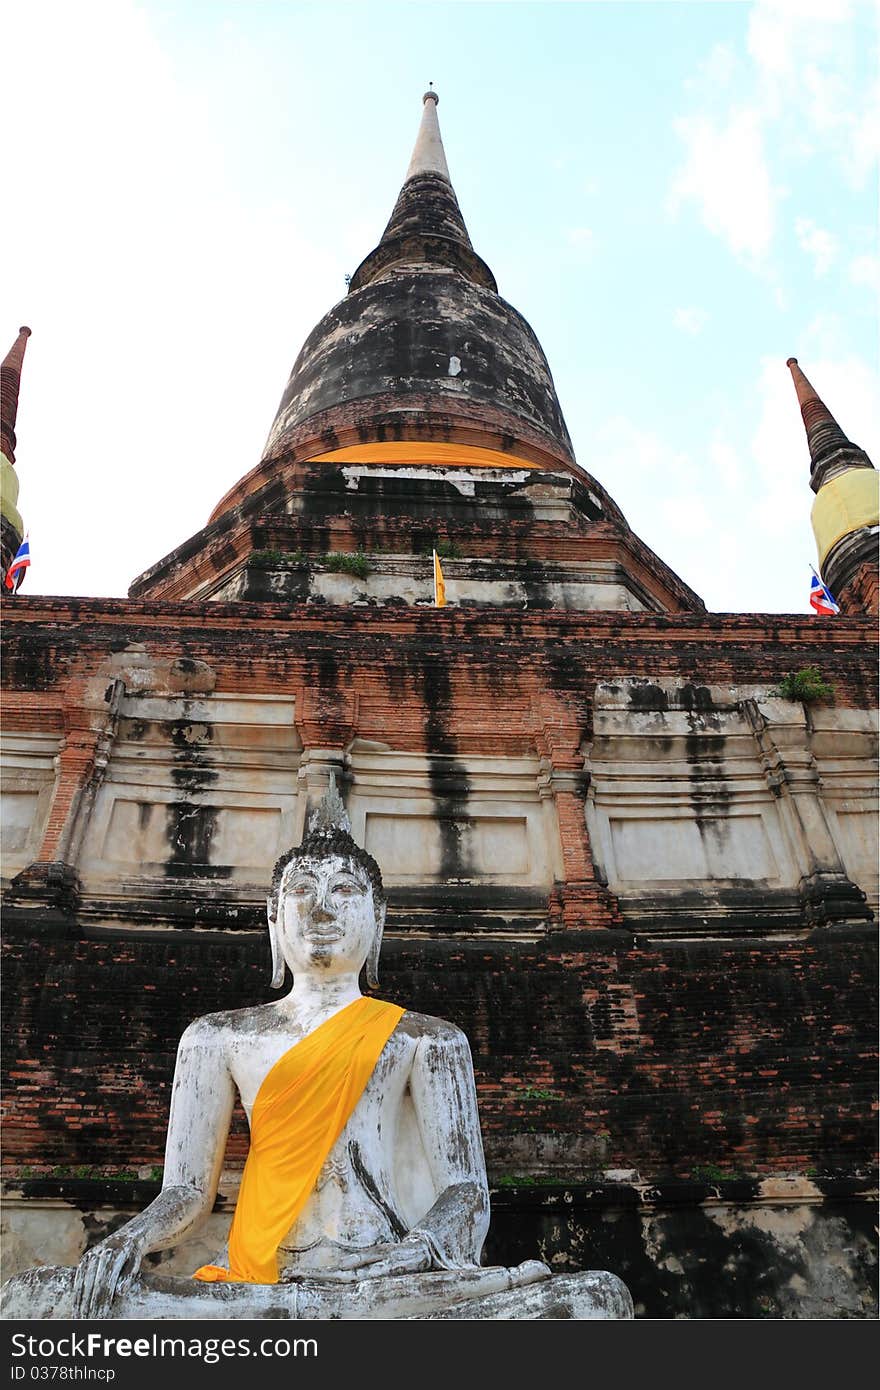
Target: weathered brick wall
[(746, 1057), (863, 594), (48, 641), (593, 1050)]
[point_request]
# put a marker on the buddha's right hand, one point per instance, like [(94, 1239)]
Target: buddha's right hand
[(105, 1272)]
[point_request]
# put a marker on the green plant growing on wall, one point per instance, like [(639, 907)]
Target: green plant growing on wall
[(710, 1172), (337, 561), (805, 685), (89, 1171), (447, 550), (539, 1093), (523, 1180), (707, 1172), (342, 563), (276, 559)]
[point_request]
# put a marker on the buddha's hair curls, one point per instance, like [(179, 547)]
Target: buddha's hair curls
[(328, 844)]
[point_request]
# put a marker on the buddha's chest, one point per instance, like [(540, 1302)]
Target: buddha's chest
[(252, 1063)]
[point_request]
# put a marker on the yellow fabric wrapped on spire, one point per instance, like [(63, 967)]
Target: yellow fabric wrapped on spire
[(300, 1111)]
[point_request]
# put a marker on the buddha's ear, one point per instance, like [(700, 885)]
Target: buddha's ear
[(373, 957), (277, 979)]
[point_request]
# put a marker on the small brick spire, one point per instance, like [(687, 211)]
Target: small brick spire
[(823, 432), (844, 514), (10, 380)]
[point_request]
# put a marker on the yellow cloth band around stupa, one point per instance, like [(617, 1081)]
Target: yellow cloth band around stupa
[(300, 1111), (843, 505), (401, 451)]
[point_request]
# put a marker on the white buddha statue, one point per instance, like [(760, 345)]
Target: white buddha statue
[(364, 1193)]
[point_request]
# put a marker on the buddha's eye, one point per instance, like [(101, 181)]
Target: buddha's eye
[(299, 890), (345, 890)]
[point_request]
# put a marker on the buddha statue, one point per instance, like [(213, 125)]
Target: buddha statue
[(364, 1193)]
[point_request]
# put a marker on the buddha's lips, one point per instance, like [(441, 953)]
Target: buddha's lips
[(322, 933)]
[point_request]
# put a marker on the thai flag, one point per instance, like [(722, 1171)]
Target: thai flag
[(821, 598), (15, 573)]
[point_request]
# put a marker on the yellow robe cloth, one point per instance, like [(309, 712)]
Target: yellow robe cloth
[(300, 1111)]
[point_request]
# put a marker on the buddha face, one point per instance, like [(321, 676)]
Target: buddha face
[(327, 918)]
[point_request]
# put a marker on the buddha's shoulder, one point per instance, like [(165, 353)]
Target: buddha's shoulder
[(229, 1024), (432, 1030)]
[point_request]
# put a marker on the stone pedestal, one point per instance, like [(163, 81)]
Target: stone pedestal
[(527, 1291)]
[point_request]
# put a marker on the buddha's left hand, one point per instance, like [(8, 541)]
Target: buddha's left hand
[(376, 1261)]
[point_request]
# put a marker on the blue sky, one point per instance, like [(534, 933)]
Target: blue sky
[(678, 196)]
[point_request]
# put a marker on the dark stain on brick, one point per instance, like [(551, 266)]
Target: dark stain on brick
[(644, 696), (190, 824), (447, 776)]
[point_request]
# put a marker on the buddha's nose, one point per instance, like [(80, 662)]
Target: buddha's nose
[(320, 912)]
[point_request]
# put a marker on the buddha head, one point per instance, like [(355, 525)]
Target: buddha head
[(327, 906)]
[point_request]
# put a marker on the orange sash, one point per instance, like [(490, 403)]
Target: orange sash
[(300, 1111)]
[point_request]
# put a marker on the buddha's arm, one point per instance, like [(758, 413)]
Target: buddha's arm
[(201, 1107), (445, 1099)]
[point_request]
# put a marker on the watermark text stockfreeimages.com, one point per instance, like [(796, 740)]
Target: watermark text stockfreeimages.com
[(32, 1354)]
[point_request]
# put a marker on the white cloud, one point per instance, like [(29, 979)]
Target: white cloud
[(824, 337), (135, 267), (818, 243), (782, 32), (767, 40), (637, 456), (797, 91), (670, 503), (716, 72), (865, 270), (676, 508), (805, 55), (735, 525), (692, 320), (686, 517), (775, 497), (853, 131), (584, 238), (726, 175), (725, 462), (721, 65), (738, 518)]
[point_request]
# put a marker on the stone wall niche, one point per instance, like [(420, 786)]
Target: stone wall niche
[(707, 811), (844, 745), (463, 843), (198, 800), (27, 767)]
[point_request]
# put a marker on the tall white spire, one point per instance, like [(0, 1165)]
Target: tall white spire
[(428, 156)]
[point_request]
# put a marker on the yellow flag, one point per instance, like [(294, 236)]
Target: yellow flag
[(439, 584)]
